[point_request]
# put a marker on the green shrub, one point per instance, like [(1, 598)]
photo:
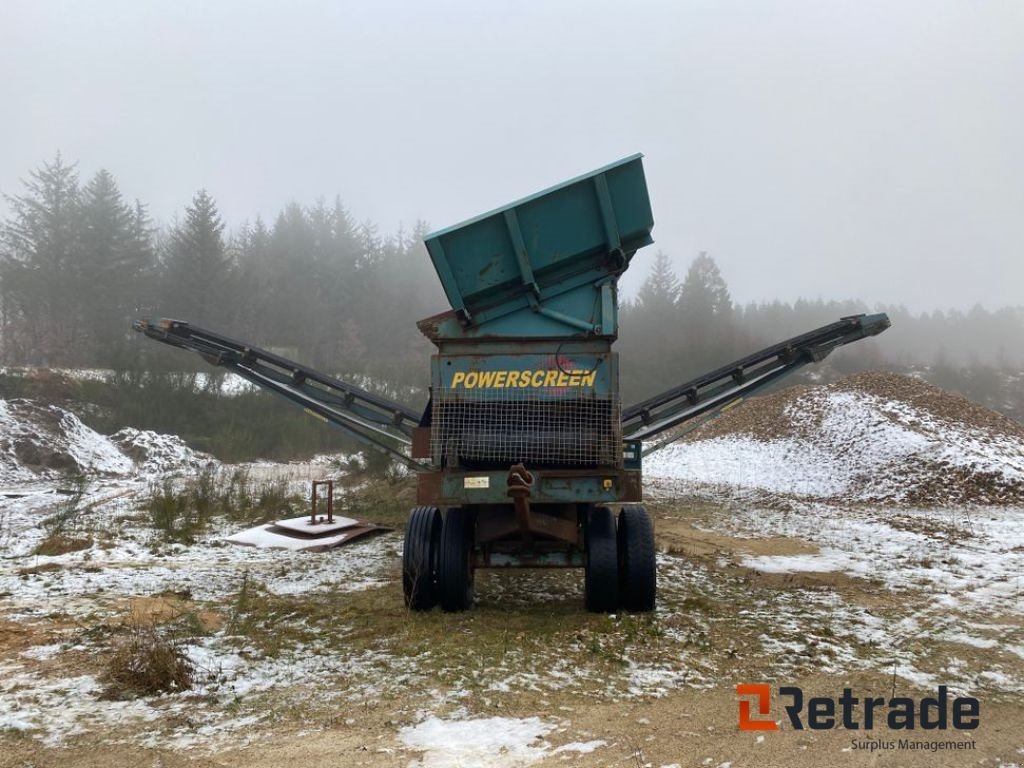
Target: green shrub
[(182, 509)]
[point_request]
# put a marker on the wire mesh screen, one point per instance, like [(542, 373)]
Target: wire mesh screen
[(498, 426)]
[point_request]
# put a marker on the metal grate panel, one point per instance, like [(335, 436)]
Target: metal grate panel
[(501, 426)]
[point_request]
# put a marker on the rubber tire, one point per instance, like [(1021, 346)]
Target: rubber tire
[(455, 574), (638, 580), (601, 572), (419, 558)]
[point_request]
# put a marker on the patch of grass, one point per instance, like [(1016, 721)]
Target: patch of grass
[(171, 513), (384, 499), (64, 528), (257, 502), (37, 569), (273, 624), (61, 545), (240, 619), (145, 663), (695, 603), (494, 639), (10, 732), (198, 624), (183, 510)]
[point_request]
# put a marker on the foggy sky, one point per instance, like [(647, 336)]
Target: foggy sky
[(854, 149)]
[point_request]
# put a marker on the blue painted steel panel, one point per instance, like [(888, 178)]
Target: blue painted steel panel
[(565, 238)]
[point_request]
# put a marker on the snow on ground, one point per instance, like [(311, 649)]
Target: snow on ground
[(133, 560), (95, 585), (239, 684), (154, 453), (786, 466), (46, 442), (228, 384), (948, 574), (850, 443), (219, 381), (966, 558), (30, 699), (502, 742), (224, 382), (909, 490)]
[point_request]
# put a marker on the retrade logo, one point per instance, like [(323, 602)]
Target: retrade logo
[(853, 713), (762, 694)]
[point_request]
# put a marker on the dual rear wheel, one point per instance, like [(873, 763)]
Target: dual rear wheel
[(437, 559), (620, 569), (420, 558), (437, 563), (455, 573)]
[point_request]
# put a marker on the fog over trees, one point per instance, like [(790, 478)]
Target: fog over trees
[(79, 262)]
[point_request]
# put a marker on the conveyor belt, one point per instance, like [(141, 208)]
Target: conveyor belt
[(372, 419), (714, 391)]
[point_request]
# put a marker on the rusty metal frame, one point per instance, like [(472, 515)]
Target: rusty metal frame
[(330, 500), (626, 486)]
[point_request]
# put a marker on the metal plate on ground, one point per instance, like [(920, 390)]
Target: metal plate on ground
[(275, 537), (303, 524)]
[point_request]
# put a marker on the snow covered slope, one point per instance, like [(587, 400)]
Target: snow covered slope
[(868, 438), (40, 441)]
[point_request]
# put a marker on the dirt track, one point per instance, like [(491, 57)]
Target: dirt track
[(686, 727), (656, 691)]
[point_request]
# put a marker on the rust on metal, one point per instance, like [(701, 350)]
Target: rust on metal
[(520, 485), (431, 326), (555, 521), (428, 487), (549, 487), (329, 484), (630, 486), (421, 442), (541, 554)]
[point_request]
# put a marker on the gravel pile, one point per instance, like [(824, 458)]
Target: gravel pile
[(768, 417), (41, 441), (155, 453), (867, 438)]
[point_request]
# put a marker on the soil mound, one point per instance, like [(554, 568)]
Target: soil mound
[(155, 453), (43, 441), (870, 437)]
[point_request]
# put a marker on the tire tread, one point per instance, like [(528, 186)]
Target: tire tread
[(637, 560), (601, 577)]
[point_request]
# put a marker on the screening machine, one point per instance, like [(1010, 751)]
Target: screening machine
[(524, 456)]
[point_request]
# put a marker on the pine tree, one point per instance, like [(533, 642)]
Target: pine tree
[(114, 254), (253, 282), (704, 296), (661, 288), (39, 245), (143, 291), (290, 303), (649, 342), (197, 267), (705, 317)]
